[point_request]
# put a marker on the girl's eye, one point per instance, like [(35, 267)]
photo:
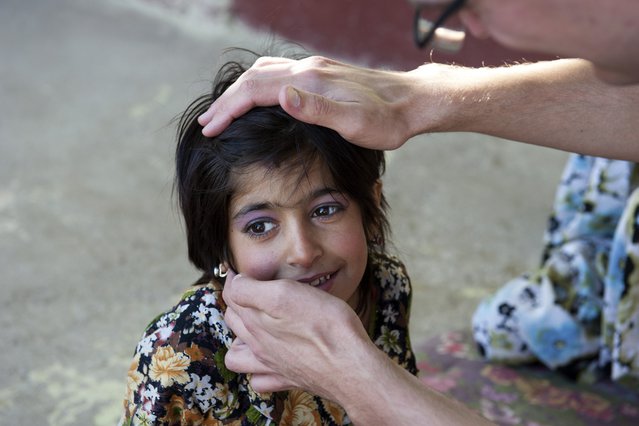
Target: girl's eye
[(324, 211), (259, 228)]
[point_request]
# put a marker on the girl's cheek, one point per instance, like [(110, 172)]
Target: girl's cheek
[(261, 265)]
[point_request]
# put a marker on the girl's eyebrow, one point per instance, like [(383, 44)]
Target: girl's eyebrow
[(251, 208), (268, 205)]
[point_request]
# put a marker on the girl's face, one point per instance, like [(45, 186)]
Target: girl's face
[(282, 227)]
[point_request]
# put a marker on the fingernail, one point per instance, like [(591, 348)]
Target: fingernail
[(293, 97), (206, 130), (203, 119)]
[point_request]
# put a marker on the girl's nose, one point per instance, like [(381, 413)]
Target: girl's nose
[(304, 247)]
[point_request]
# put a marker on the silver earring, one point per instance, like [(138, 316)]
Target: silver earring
[(220, 271)]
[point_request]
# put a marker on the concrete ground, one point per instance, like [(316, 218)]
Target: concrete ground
[(91, 246)]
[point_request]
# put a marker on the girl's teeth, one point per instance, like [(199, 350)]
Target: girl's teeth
[(320, 280)]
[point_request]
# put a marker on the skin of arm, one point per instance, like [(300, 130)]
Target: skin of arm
[(302, 337), (559, 104), (386, 394)]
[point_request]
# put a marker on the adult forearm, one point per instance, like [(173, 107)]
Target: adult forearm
[(559, 104), (379, 392)]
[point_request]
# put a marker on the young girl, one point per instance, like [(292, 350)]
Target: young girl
[(270, 198)]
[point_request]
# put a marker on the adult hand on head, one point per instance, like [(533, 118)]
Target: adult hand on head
[(291, 335), (371, 108)]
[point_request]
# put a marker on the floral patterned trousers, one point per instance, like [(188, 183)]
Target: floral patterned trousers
[(580, 310)]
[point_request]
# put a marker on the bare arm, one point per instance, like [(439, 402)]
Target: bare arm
[(379, 392), (298, 336), (559, 104)]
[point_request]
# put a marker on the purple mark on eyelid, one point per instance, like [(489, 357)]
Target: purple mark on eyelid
[(336, 197), (244, 220)]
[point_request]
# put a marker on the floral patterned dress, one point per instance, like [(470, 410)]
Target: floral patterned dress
[(178, 376), (579, 311)]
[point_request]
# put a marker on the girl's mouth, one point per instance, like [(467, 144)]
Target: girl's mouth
[(321, 280)]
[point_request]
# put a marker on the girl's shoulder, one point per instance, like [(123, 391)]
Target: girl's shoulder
[(386, 258), (178, 366), (389, 271), (197, 307), (390, 318)]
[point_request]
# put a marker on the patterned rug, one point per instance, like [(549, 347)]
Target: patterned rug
[(522, 395)]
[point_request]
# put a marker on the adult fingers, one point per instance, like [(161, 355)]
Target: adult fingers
[(237, 292), (311, 108), (352, 119), (235, 323), (264, 67), (258, 86), (269, 383), (266, 297), (241, 359)]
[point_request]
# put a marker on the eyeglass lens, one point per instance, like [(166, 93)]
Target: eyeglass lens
[(424, 36)]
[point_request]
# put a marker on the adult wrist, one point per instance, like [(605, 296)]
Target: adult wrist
[(365, 386), (442, 98)]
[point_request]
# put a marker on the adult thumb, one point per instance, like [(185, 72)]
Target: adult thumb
[(308, 107)]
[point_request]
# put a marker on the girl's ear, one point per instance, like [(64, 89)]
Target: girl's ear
[(377, 191)]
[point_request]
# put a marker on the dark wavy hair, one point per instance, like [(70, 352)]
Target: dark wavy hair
[(266, 137)]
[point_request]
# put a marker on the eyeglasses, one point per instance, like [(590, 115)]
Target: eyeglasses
[(426, 32)]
